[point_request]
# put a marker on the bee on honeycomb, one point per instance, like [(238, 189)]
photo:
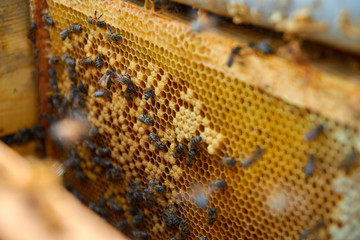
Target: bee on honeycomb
[(228, 161), (102, 93), (106, 78), (310, 165), (149, 93), (72, 28), (96, 20), (98, 61), (112, 36), (314, 132), (218, 185), (234, 52), (155, 139), (139, 234), (195, 143), (179, 151), (47, 20), (121, 225), (137, 220), (211, 216), (113, 174), (86, 62), (130, 90), (146, 119), (252, 158), (102, 151)]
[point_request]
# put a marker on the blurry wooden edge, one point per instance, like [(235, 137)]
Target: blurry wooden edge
[(34, 205)]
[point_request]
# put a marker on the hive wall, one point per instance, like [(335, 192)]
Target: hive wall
[(197, 96)]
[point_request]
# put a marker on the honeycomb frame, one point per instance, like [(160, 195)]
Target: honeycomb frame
[(196, 96)]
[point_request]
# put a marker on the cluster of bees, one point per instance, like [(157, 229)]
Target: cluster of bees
[(136, 197), (25, 135)]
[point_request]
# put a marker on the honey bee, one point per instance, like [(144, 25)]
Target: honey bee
[(93, 132), (155, 185), (79, 174), (148, 196), (73, 160), (170, 218), (93, 206), (99, 209), (252, 158), (86, 62), (139, 234), (211, 216), (146, 119), (136, 191), (194, 143), (306, 233), (137, 220), (154, 138), (68, 60), (102, 202), (95, 21), (234, 52), (130, 90), (350, 161), (202, 238), (98, 61), (87, 143), (96, 160), (173, 238), (54, 60), (47, 20), (101, 151), (217, 185), (112, 36), (72, 28), (106, 78), (183, 229), (125, 79), (228, 161), (191, 158), (63, 108), (152, 183), (53, 79), (113, 174), (72, 73), (82, 89), (179, 151), (78, 195), (264, 47), (32, 33), (314, 132), (102, 93), (76, 97), (149, 93), (310, 165), (121, 225), (106, 163)]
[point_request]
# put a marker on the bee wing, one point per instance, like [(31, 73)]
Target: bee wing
[(119, 77), (107, 79), (102, 79), (64, 34)]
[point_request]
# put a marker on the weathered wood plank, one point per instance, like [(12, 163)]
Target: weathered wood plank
[(18, 87)]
